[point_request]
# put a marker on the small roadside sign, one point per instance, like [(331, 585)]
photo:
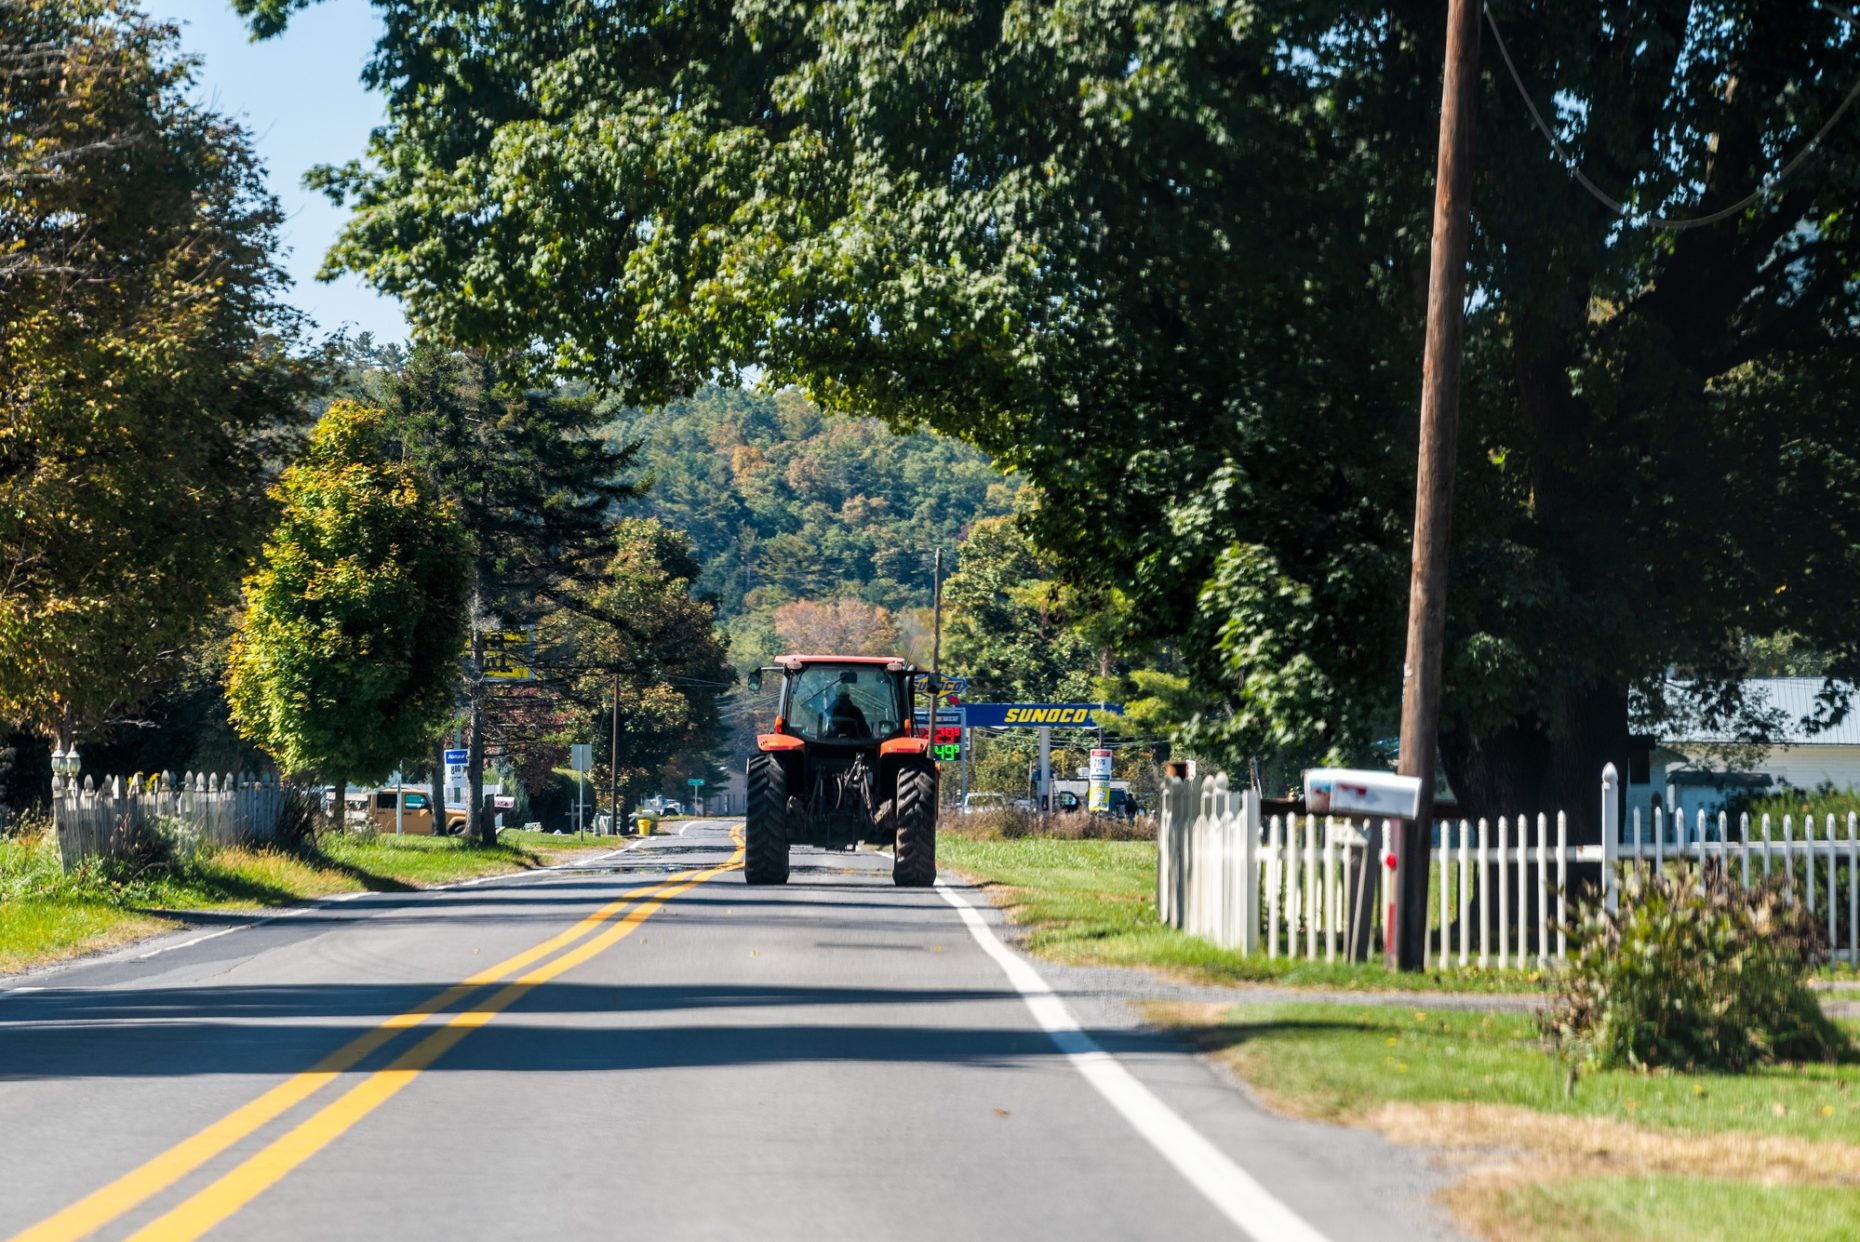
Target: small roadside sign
[(695, 781), (581, 756), (457, 758)]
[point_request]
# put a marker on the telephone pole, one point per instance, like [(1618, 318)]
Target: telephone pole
[(936, 624), (1433, 485), (613, 767)]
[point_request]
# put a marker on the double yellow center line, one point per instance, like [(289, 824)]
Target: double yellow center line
[(242, 1184)]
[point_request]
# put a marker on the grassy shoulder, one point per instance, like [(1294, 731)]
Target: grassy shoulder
[(1093, 902), (1661, 1209), (48, 914), (1622, 1155)]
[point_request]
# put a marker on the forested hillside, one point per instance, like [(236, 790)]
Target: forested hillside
[(785, 505)]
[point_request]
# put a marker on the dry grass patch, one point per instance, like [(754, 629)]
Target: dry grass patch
[(1512, 1145)]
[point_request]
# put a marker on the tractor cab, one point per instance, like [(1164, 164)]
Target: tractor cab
[(853, 704)]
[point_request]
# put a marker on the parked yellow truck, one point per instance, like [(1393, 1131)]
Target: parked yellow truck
[(416, 812)]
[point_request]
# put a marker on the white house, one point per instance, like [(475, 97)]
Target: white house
[(1682, 769)]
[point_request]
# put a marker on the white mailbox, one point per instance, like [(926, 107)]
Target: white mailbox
[(1348, 791)]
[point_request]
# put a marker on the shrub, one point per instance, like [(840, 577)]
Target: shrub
[(1819, 803), (298, 817), (1691, 975), (1014, 823)]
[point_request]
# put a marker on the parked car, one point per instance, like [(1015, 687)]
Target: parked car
[(416, 813), (1068, 800), (974, 803)]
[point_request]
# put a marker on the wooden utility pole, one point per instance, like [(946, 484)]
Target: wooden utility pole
[(1433, 485), (936, 628), (615, 823)]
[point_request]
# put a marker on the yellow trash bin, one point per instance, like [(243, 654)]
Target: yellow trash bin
[(646, 825)]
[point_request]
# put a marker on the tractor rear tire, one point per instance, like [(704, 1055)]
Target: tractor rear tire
[(765, 822), (913, 856)]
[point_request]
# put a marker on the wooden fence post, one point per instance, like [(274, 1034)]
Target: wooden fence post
[(1249, 871)]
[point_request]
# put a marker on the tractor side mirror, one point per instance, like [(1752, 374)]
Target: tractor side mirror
[(934, 683), (755, 680)]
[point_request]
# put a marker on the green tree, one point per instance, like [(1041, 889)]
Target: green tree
[(1168, 260), (641, 632), (146, 364), (1008, 629), (841, 627), (535, 488), (347, 660), (783, 504)]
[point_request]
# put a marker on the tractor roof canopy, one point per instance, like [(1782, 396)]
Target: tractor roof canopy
[(894, 664)]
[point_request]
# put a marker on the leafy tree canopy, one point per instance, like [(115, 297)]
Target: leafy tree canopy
[(1169, 260), (842, 627), (534, 484), (147, 368), (347, 660), (1010, 629), (642, 627), (783, 503)]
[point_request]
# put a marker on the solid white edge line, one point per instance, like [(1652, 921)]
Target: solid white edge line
[(1234, 1192)]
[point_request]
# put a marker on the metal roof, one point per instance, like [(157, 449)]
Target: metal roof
[(792, 661), (1793, 698)]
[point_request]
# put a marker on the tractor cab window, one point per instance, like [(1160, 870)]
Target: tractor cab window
[(843, 703)]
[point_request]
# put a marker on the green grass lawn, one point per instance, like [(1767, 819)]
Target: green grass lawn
[(1341, 1061), (566, 842), (47, 913), (1609, 1160), (1094, 903)]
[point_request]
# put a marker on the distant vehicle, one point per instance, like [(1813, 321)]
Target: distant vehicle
[(416, 813), (1069, 796), (844, 765), (975, 803)]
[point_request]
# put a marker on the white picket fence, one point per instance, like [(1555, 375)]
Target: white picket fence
[(1499, 889), (117, 817)]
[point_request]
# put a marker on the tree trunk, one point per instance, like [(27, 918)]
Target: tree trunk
[(439, 787), (342, 804), (1533, 767)]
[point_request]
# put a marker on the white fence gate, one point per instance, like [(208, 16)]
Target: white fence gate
[(115, 818), (1498, 889)]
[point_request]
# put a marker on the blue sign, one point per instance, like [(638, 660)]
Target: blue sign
[(1039, 715), (457, 758)]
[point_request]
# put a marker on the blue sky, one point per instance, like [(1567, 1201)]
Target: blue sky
[(300, 94)]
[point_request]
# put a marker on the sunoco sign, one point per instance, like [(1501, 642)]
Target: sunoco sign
[(1038, 715)]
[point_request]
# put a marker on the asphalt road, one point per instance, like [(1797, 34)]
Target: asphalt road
[(643, 1047)]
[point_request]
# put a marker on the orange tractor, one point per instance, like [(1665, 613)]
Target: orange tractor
[(844, 765)]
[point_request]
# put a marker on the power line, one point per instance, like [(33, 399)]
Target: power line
[(1665, 222)]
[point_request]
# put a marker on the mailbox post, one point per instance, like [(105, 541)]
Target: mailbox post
[(1374, 795)]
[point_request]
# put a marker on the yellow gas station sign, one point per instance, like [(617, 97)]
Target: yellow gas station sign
[(506, 655)]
